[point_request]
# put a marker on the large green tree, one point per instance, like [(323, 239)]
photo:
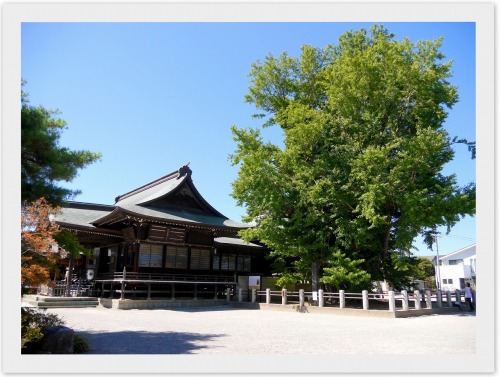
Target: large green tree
[(359, 174), (44, 163)]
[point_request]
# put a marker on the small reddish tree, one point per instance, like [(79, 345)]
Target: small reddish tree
[(38, 259)]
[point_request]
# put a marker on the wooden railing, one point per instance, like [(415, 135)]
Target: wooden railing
[(389, 301), (119, 276)]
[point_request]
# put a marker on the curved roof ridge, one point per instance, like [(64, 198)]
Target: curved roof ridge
[(175, 174)]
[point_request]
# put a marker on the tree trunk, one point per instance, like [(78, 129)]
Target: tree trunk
[(70, 275), (315, 278)]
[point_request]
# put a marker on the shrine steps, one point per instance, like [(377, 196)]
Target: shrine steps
[(40, 301)]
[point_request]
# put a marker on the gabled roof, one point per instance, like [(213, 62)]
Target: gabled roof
[(458, 252), (171, 198)]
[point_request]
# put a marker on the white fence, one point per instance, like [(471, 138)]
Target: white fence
[(390, 300)]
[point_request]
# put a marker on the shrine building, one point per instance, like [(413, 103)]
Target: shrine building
[(163, 240)]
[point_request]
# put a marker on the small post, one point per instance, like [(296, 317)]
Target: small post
[(173, 291), (268, 295), (149, 291), (195, 291), (321, 299), (254, 296), (392, 302), (428, 300), (366, 305), (405, 300), (448, 299), (301, 298), (240, 295), (111, 291), (458, 297), (342, 299), (417, 300), (228, 294), (215, 292), (122, 292), (283, 296), (439, 298)]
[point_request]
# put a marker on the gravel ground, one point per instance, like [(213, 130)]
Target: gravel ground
[(235, 331)]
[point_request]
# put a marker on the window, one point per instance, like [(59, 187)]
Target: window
[(216, 262), (447, 281), (176, 257), (243, 263), (228, 262), (150, 255), (200, 259), (454, 262)]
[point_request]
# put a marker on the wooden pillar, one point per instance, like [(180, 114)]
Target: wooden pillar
[(195, 291), (405, 300), (283, 296), (417, 299), (149, 291), (392, 302), (215, 292), (111, 291), (122, 290), (173, 291), (366, 304), (439, 298)]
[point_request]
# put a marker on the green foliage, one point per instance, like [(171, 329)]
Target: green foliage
[(364, 148), (344, 272), (33, 322), (43, 161), (80, 344), (70, 244)]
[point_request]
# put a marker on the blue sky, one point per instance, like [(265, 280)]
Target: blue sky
[(152, 97)]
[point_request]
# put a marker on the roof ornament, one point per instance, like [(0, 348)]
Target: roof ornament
[(183, 171)]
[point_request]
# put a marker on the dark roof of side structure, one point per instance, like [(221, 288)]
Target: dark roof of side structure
[(171, 198)]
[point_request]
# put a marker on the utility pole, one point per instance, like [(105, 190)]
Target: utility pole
[(438, 275)]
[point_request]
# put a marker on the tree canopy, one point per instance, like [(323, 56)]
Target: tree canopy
[(44, 162), (360, 173)]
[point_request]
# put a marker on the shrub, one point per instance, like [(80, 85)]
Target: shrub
[(80, 344), (33, 321)]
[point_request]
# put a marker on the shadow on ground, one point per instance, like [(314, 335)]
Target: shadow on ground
[(144, 342)]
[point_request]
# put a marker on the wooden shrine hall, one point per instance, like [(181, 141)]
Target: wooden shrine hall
[(163, 240)]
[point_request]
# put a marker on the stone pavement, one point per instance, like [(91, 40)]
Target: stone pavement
[(227, 330)]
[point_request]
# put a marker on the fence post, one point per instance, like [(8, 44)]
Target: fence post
[(392, 302), (268, 295), (417, 299), (228, 294), (448, 299), (240, 295), (321, 300), (405, 300), (254, 296), (342, 299), (122, 292), (458, 297), (439, 298), (366, 305), (301, 298), (283, 296), (428, 300)]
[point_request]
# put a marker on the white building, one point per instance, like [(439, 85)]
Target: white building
[(458, 268)]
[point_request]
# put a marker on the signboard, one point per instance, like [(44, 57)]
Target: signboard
[(315, 296), (254, 282)]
